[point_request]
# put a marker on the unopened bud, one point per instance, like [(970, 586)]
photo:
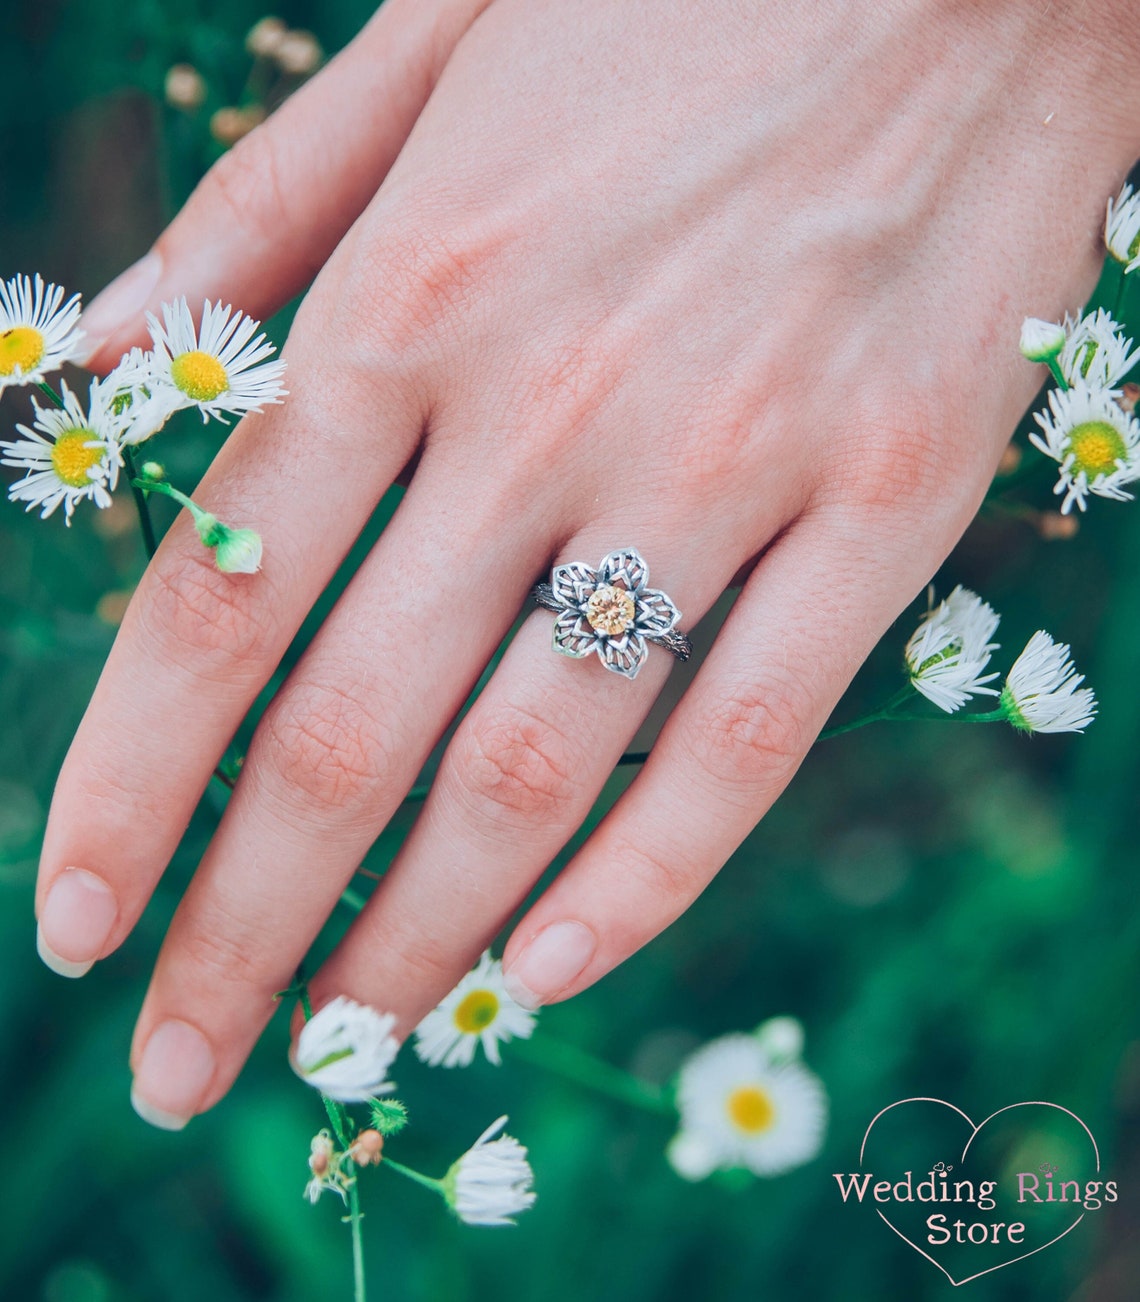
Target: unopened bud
[(299, 53), (781, 1038), (1129, 393), (320, 1153), (264, 37), (229, 125), (184, 87), (1041, 341), (238, 551), (366, 1149), (153, 470), (1010, 459), (1054, 527)]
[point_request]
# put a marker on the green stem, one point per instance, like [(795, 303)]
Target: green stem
[(582, 1068), (425, 1180), (44, 387), (354, 900), (1058, 374), (355, 1218), (1121, 285), (141, 505)]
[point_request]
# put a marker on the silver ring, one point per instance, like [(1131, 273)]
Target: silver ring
[(611, 610)]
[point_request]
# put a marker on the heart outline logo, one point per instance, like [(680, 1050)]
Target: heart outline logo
[(974, 1131)]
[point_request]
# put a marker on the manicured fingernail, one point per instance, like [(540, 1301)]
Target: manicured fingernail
[(75, 921), (549, 962), (125, 296), (173, 1075)]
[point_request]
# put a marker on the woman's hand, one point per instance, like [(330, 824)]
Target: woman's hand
[(732, 284)]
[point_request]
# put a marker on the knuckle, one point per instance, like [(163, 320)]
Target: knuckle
[(247, 182), (753, 740), (666, 881), (325, 747), (201, 620), (220, 952), (517, 768)]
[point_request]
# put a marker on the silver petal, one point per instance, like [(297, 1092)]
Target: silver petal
[(623, 655), (574, 583), (573, 636), (624, 567), (656, 614)]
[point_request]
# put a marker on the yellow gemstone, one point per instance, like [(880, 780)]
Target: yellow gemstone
[(199, 375), (610, 610), (476, 1011), (1096, 446), (71, 458), (750, 1109), (22, 348)]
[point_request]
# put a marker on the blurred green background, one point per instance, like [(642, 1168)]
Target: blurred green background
[(950, 911)]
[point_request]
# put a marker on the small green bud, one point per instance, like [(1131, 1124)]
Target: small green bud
[(389, 1116), (238, 551), (1041, 341), (153, 470)]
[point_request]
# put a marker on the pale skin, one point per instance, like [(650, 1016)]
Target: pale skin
[(737, 285)]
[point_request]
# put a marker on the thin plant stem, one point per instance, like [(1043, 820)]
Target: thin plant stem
[(582, 1068), (426, 1180), (355, 1218), (1058, 374), (44, 387), (142, 506)]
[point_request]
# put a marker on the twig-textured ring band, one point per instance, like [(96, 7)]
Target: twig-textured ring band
[(611, 610)]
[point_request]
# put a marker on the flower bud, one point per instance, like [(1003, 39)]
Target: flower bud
[(298, 53), (153, 470), (1054, 527), (265, 36), (367, 1148), (229, 125), (1129, 393), (238, 551), (185, 87), (781, 1038), (1041, 341)]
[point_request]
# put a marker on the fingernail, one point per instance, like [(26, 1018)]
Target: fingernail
[(173, 1074), (75, 922), (123, 297), (549, 962)]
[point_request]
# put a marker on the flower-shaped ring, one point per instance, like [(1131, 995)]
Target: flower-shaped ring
[(612, 611)]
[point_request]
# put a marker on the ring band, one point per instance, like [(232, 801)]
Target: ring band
[(611, 610)]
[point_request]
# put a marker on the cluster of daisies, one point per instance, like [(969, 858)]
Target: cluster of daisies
[(74, 450), (1090, 428), (744, 1102), (949, 653)]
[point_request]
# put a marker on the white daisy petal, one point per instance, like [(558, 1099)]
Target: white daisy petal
[(491, 1182), (70, 455), (38, 330), (1043, 691), (1095, 442), (950, 649), (478, 1011), (345, 1051), (740, 1109)]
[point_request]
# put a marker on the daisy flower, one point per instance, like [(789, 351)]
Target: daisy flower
[(38, 330), (478, 1011), (69, 455), (1096, 352), (1043, 691), (1094, 441), (491, 1182), (739, 1108), (949, 650), (219, 369), (1122, 228), (345, 1051)]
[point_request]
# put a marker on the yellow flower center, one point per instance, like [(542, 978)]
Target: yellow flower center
[(610, 610), (71, 458), (477, 1011), (750, 1109), (1096, 446), (22, 348), (199, 375)]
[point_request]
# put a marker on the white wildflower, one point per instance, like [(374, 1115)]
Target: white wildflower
[(1095, 442), (1043, 691), (739, 1109), (477, 1011), (345, 1051), (1096, 352), (1122, 228), (491, 1182), (950, 649), (38, 330)]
